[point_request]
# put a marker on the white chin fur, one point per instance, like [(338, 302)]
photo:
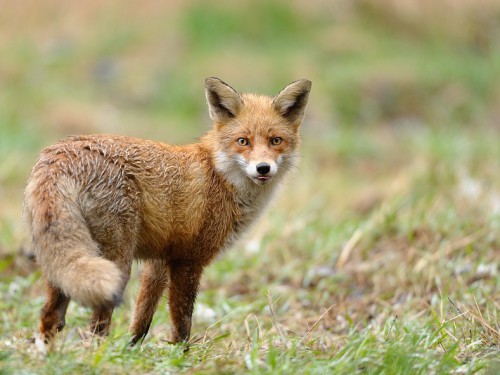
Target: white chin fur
[(261, 182)]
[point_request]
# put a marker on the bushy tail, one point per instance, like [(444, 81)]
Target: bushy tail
[(68, 256)]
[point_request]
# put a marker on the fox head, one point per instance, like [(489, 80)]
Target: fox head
[(256, 137)]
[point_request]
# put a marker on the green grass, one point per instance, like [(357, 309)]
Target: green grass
[(381, 255)]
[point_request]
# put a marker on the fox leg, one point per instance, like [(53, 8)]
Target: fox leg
[(154, 280), (52, 315), (100, 322), (183, 289)]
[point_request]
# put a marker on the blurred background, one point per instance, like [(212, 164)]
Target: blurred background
[(381, 69), (400, 178)]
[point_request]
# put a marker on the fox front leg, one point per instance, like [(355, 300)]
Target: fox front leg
[(182, 290)]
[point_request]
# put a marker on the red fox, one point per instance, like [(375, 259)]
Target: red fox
[(95, 203)]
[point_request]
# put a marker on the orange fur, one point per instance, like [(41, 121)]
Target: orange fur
[(95, 203)]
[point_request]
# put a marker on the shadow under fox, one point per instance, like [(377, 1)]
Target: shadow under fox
[(95, 203)]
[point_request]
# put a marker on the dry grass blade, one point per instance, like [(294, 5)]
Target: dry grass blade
[(314, 325), (348, 248), (273, 316)]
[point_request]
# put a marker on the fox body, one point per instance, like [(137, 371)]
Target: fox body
[(95, 203)]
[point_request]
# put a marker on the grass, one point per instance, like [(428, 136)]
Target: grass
[(381, 255)]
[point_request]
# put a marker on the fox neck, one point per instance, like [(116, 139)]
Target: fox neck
[(249, 196), (251, 199)]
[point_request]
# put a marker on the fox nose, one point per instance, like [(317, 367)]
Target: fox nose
[(263, 168)]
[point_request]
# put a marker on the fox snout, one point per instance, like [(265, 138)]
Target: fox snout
[(261, 172), (263, 168)]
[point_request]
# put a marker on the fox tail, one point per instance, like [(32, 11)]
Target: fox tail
[(64, 249)]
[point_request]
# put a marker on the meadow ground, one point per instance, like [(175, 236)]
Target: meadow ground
[(381, 255)]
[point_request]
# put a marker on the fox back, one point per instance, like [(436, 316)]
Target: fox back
[(95, 203)]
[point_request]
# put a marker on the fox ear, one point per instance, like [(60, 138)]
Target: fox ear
[(292, 100), (223, 101)]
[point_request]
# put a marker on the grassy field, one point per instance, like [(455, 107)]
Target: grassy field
[(382, 254)]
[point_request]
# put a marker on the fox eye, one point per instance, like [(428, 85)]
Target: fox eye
[(243, 142), (276, 141)]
